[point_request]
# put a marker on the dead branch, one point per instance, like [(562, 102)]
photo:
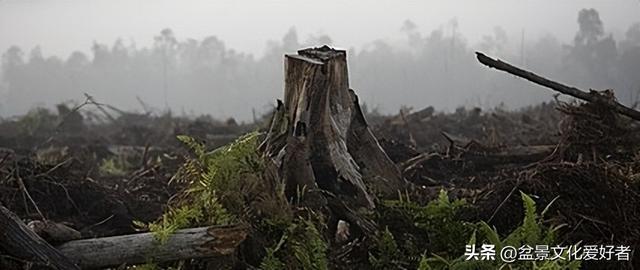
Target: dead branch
[(591, 96)]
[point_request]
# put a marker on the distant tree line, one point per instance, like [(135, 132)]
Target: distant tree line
[(205, 76)]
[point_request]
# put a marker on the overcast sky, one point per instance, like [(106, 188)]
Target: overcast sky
[(60, 27)]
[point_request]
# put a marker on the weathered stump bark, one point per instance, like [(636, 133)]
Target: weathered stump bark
[(320, 140)]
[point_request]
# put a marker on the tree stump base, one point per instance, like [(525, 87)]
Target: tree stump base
[(319, 139)]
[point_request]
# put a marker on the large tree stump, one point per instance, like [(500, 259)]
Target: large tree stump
[(320, 140)]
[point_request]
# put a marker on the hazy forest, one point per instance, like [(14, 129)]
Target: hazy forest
[(437, 68), (423, 152)]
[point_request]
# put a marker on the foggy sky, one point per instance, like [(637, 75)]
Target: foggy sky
[(63, 26), (228, 55)]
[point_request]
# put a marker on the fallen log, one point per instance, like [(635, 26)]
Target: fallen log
[(517, 155), (592, 96), (18, 240), (205, 242)]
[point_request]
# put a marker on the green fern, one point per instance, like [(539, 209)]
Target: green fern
[(424, 263), (173, 220), (198, 148), (301, 246), (271, 261), (531, 232), (435, 226), (114, 166), (213, 196), (308, 246), (385, 254), (440, 219)]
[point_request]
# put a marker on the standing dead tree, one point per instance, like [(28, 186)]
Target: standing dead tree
[(592, 96), (320, 141)]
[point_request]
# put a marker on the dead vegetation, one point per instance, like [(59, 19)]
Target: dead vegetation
[(321, 185)]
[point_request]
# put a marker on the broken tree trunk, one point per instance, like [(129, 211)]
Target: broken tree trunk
[(19, 241), (320, 139), (205, 242), (591, 96)]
